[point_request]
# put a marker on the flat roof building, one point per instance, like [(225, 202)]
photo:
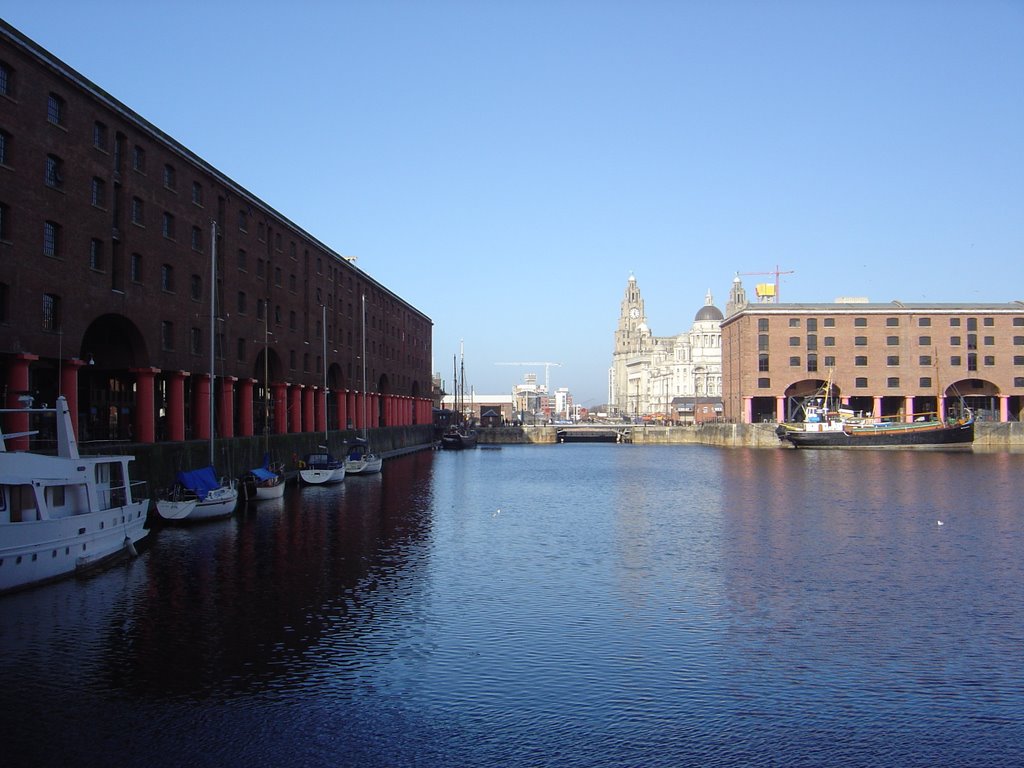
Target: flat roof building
[(884, 359), (107, 233)]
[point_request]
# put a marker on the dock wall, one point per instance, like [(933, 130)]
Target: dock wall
[(989, 435)]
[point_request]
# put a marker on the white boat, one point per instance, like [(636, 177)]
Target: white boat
[(199, 494), (359, 460), (322, 469), (65, 513), (266, 482)]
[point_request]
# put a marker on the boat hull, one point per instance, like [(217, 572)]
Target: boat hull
[(367, 465), (908, 436), (275, 491), (329, 476), (46, 550), (458, 442), (220, 502)]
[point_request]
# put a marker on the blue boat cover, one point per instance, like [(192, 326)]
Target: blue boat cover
[(262, 474), (200, 481)]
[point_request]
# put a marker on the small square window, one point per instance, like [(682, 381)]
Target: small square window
[(924, 322), (794, 341), (764, 383), (794, 362), (861, 382), (955, 360), (924, 341), (794, 322), (860, 322), (892, 360), (892, 322), (925, 382), (954, 322), (892, 382), (860, 361), (988, 322), (892, 341), (989, 360)]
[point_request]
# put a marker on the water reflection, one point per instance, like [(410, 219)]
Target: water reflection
[(232, 606)]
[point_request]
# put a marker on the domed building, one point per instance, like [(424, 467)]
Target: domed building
[(666, 378)]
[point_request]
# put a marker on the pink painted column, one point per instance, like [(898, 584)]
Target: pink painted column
[(245, 420), (877, 412), (309, 397), (17, 383), (940, 406), (780, 409), (341, 398), (69, 387), (201, 407), (226, 417), (1004, 407), (176, 406), (908, 408), (748, 410), (145, 423), (321, 411), (280, 394), (295, 396)]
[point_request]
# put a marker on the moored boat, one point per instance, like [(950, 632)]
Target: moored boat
[(264, 482), (927, 433), (360, 461), (322, 469), (827, 425), (65, 513), (198, 494)]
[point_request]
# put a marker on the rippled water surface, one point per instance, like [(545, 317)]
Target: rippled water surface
[(564, 605)]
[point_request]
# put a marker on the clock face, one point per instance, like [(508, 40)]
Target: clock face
[(634, 313)]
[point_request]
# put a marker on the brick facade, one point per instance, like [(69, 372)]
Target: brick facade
[(884, 359), (106, 243)]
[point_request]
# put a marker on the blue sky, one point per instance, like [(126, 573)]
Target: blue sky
[(505, 166)]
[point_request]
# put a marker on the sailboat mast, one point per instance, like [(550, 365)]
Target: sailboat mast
[(364, 367), (323, 334), (213, 330)]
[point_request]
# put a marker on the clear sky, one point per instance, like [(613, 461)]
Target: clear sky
[(504, 166)]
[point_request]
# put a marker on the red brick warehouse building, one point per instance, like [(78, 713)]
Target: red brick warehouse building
[(108, 228)]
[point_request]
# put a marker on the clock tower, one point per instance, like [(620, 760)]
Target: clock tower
[(631, 317), (631, 338)]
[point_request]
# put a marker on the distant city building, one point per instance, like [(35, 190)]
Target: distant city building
[(652, 376)]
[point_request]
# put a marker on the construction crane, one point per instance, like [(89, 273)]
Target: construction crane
[(768, 293), (547, 370)]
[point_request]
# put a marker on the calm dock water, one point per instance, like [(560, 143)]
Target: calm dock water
[(571, 605)]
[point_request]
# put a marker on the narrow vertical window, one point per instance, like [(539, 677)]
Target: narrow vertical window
[(55, 109), (197, 193), (96, 254), (167, 335), (6, 79), (54, 172), (5, 223), (51, 312), (99, 192), (139, 159), (168, 226), (136, 268), (99, 135), (5, 140), (170, 177), (51, 238)]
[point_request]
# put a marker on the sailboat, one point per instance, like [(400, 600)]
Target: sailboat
[(359, 460), (200, 494), (267, 480), (322, 468), (459, 436)]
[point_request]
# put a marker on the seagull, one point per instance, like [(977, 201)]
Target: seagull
[(939, 522), (497, 512)]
